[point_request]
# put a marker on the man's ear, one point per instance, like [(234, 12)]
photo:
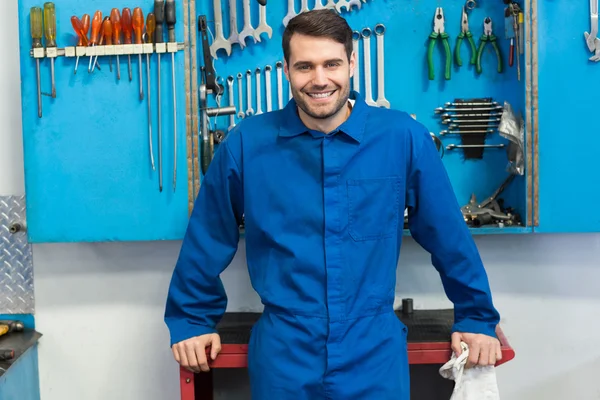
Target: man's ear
[(352, 63), (286, 70)]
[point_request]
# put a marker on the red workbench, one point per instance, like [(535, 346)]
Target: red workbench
[(428, 343)]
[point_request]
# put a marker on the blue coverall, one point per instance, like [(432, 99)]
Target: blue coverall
[(324, 217)]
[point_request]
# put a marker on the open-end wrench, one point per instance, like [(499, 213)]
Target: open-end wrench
[(455, 132), (381, 100), (466, 146), (291, 12), (262, 27), (304, 8), (258, 92), (233, 29), (356, 76), (248, 29), (591, 36), (240, 113), (366, 35), (231, 103), (318, 5), (219, 42), (268, 87), (330, 4), (249, 110), (279, 67), (469, 121), (347, 4)]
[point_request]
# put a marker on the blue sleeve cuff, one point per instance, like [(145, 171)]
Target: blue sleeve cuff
[(473, 326), (182, 330)]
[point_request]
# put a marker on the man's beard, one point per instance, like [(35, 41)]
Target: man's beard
[(343, 95)]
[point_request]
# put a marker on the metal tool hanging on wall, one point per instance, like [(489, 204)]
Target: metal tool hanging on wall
[(591, 37)]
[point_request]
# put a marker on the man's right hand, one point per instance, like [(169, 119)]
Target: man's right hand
[(191, 353)]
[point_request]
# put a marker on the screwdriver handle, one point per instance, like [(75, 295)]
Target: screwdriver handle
[(159, 15), (150, 26), (171, 19), (35, 18), (78, 26), (96, 25), (107, 31), (115, 20), (50, 24), (126, 25), (138, 24)]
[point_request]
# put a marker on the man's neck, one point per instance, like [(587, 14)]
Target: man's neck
[(329, 124)]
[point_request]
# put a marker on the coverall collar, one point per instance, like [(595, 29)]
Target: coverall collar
[(291, 124)]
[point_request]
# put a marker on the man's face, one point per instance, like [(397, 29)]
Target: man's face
[(319, 75)]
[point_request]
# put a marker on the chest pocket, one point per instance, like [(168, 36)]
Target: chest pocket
[(373, 207)]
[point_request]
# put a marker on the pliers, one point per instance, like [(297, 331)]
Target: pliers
[(439, 32), (488, 36), (465, 32)]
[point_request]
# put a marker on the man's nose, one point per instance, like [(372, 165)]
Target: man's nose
[(320, 77)]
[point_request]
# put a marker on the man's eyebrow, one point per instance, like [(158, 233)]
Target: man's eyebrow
[(300, 63)]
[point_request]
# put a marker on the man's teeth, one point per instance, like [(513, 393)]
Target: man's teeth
[(320, 95)]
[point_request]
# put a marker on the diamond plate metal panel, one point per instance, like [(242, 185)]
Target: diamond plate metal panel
[(16, 265)]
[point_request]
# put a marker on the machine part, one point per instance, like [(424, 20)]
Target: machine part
[(222, 111), (291, 12), (356, 76), (137, 23), (366, 38), (263, 27), (249, 110), (465, 33), (240, 113), (258, 92), (469, 132), (490, 211), (50, 34), (159, 15), (279, 68), (36, 27), (407, 306), (248, 29), (304, 6), (471, 4), (209, 72), (381, 100), (269, 97), (439, 32), (219, 41), (218, 136), (171, 20), (150, 27), (592, 35), (127, 26), (347, 4), (231, 100), (233, 28), (115, 20), (468, 146), (488, 36)]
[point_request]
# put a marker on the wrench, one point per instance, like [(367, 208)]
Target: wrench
[(248, 29), (258, 92), (268, 87), (366, 35), (304, 8), (262, 24), (381, 100), (318, 5), (240, 113), (233, 29), (356, 76), (347, 4), (591, 36), (464, 146), (230, 87), (454, 132), (330, 5), (278, 66), (249, 110), (220, 42), (291, 12)]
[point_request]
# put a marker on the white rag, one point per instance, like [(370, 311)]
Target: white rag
[(475, 383)]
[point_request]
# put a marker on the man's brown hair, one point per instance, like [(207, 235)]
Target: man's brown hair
[(318, 23)]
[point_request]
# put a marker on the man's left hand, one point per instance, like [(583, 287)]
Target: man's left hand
[(483, 349)]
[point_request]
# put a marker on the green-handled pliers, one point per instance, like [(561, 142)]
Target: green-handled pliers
[(439, 32), (465, 33), (488, 36)]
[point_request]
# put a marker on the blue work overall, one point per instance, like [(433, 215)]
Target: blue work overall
[(324, 215)]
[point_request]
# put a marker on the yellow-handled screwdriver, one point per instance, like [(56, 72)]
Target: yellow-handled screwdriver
[(50, 33), (35, 19)]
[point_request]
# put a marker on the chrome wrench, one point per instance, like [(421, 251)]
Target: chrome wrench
[(240, 113), (233, 29), (258, 92), (249, 110), (347, 4), (231, 103), (268, 87), (279, 67), (248, 29), (291, 12), (366, 36), (220, 42), (356, 76), (592, 35), (262, 27), (304, 7), (318, 5), (381, 100)]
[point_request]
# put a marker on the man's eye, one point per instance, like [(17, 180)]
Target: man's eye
[(333, 64)]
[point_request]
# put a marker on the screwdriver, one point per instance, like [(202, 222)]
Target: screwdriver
[(96, 25), (150, 24), (81, 29), (171, 19), (107, 36), (35, 19), (138, 27), (159, 15), (101, 40), (127, 30), (115, 20), (50, 33)]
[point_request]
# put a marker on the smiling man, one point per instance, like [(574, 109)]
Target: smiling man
[(323, 185)]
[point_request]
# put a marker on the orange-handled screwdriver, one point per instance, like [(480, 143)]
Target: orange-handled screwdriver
[(96, 26), (81, 33), (138, 28), (115, 19), (107, 34), (149, 38), (127, 27), (101, 39)]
